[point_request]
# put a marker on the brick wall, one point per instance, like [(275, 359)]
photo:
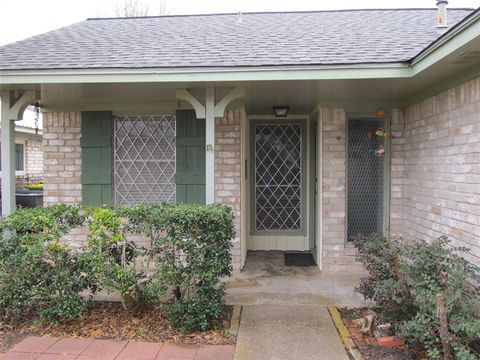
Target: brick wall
[(441, 183), (228, 169), (397, 173), (61, 158), (62, 166), (34, 157), (337, 256)]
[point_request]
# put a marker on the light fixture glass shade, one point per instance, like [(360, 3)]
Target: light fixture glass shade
[(281, 111)]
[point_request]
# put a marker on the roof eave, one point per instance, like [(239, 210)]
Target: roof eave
[(205, 74), (458, 28)]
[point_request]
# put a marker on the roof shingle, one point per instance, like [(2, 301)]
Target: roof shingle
[(260, 39)]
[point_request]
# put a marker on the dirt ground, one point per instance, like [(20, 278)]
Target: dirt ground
[(111, 321)]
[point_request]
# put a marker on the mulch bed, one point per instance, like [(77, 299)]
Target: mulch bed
[(368, 345), (111, 321)]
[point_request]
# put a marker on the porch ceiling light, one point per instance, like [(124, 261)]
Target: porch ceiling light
[(281, 111)]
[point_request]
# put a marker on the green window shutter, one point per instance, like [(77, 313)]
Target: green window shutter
[(190, 158), (96, 144)]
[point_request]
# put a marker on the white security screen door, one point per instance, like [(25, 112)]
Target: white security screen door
[(278, 177)]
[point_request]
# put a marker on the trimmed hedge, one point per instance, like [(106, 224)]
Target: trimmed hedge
[(189, 244), (38, 274), (194, 257)]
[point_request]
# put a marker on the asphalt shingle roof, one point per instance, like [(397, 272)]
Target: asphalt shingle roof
[(260, 39)]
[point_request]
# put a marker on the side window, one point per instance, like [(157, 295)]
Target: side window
[(19, 157)]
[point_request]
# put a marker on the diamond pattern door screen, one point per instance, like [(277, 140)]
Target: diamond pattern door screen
[(144, 159), (365, 179), (278, 177)]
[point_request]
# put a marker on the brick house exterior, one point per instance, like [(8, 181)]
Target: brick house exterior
[(298, 181), (434, 172), (62, 166), (437, 168)]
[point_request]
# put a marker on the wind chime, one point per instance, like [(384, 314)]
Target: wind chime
[(36, 118)]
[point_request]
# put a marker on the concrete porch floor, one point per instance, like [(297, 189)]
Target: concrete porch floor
[(266, 280)]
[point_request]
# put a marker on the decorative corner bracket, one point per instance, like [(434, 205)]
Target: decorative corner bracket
[(235, 93), (184, 94), (18, 106)]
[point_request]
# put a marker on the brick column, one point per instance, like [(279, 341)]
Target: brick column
[(337, 256), (228, 169), (61, 158)]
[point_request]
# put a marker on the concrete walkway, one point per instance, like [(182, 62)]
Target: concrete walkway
[(288, 332), (267, 281), (50, 348), (285, 314)]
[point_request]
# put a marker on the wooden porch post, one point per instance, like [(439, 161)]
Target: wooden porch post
[(210, 146), (11, 110)]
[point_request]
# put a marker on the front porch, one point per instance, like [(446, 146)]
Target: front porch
[(265, 280), (216, 160)]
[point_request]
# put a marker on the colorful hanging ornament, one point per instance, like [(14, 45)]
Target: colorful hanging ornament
[(378, 152)]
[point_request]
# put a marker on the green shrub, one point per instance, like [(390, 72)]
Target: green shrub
[(383, 285), (112, 255), (405, 278), (436, 268), (189, 244), (195, 256), (38, 274), (52, 221)]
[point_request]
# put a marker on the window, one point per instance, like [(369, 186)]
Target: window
[(365, 178), (144, 159), (19, 157)]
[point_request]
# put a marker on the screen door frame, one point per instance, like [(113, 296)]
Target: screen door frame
[(303, 148)]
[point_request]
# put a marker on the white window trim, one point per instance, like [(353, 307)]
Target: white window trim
[(20, 172)]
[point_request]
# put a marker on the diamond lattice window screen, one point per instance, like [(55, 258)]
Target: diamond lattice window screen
[(365, 179), (144, 159), (278, 177)]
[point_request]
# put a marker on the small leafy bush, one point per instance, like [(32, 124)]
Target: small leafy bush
[(383, 285), (120, 264), (436, 268), (405, 279), (195, 256), (38, 274)]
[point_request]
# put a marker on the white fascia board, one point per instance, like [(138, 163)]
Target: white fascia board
[(461, 36), (377, 71)]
